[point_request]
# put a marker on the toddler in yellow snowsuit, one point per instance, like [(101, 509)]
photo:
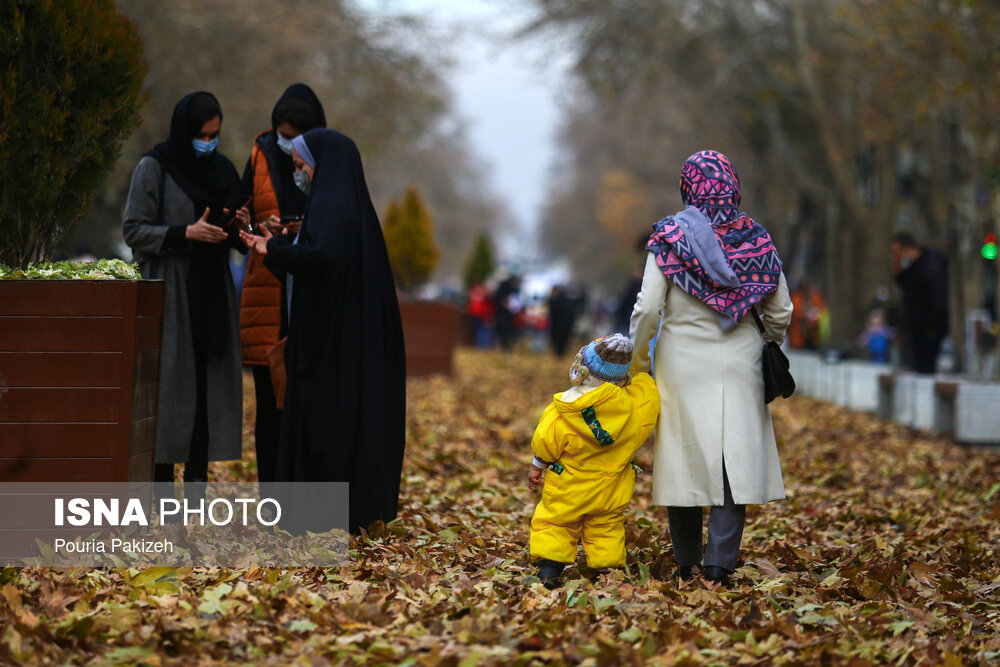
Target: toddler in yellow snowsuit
[(586, 439)]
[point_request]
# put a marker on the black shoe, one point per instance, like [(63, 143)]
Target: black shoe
[(718, 575), (549, 572), (684, 572)]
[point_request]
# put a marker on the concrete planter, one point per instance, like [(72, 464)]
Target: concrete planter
[(924, 400), (977, 420), (805, 370), (841, 384), (79, 379), (826, 381), (903, 398), (862, 385)]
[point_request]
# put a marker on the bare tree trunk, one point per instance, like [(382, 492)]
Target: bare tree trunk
[(841, 270), (857, 267)]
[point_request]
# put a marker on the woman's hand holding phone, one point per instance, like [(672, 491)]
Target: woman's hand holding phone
[(258, 244), (243, 217), (272, 225), (291, 224)]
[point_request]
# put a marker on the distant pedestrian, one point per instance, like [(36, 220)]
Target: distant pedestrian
[(562, 317), (876, 339), (810, 322), (508, 307), (922, 274), (479, 309), (623, 313)]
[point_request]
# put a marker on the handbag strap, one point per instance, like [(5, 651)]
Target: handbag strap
[(756, 317)]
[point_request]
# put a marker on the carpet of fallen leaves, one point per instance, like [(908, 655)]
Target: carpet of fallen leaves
[(887, 550)]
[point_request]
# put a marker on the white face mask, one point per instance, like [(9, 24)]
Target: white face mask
[(302, 180), (285, 145)]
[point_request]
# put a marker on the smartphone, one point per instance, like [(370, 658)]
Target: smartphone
[(228, 218), (285, 219)]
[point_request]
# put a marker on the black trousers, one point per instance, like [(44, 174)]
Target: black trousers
[(925, 347), (267, 428), (725, 532), (196, 468)]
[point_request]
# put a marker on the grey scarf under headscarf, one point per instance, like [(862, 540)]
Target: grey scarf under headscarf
[(706, 248)]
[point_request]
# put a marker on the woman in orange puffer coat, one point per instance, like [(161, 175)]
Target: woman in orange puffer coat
[(263, 317)]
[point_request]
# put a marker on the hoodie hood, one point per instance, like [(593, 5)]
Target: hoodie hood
[(601, 414)]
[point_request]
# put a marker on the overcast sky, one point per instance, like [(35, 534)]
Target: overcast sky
[(506, 90)]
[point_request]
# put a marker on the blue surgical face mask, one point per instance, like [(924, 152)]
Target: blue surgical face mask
[(285, 145), (204, 148), (302, 180)]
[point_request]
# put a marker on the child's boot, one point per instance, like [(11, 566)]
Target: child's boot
[(549, 572)]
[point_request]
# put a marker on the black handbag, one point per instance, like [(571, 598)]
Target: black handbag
[(778, 380)]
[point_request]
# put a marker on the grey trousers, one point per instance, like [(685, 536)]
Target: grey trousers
[(725, 532)]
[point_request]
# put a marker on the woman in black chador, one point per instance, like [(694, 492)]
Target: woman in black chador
[(345, 399)]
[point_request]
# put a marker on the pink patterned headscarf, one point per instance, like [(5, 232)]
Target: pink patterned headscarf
[(715, 253)]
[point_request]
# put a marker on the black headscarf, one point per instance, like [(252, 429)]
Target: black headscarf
[(342, 230), (291, 200), (345, 341), (303, 92), (211, 182)]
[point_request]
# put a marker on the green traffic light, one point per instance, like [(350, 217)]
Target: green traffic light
[(990, 251)]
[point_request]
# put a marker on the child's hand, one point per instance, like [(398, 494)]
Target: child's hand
[(534, 477)]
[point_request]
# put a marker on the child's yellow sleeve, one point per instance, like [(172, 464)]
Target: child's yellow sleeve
[(547, 444), (645, 399)]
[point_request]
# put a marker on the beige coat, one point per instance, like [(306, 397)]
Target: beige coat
[(711, 395)]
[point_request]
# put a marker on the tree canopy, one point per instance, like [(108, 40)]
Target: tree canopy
[(480, 264), (409, 239)]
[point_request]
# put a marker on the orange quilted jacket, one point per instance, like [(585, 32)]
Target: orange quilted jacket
[(260, 304)]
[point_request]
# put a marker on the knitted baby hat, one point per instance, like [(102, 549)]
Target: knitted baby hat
[(606, 359)]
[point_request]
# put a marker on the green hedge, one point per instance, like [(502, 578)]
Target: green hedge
[(104, 269)]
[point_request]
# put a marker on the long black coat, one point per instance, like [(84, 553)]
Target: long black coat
[(925, 295), (345, 399)]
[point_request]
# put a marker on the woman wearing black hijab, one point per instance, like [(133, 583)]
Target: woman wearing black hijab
[(178, 225), (345, 398)]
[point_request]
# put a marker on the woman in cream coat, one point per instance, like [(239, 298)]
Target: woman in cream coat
[(708, 265)]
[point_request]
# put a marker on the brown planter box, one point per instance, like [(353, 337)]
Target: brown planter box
[(431, 331), (79, 379)]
